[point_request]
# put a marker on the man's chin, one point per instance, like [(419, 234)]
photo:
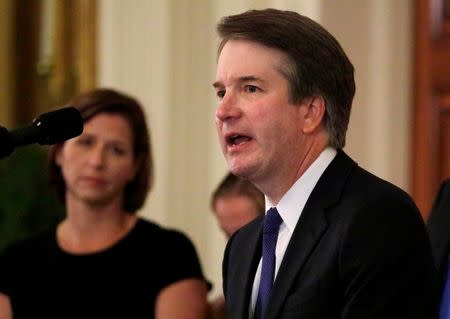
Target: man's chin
[(241, 170)]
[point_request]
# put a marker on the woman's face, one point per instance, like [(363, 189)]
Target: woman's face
[(98, 164)]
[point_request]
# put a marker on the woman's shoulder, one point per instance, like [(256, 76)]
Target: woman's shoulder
[(32, 246), (173, 250), (146, 229)]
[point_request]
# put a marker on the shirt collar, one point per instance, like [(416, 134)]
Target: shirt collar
[(292, 203)]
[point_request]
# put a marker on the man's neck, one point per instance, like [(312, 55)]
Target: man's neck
[(275, 187)]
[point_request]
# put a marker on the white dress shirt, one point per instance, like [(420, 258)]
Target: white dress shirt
[(290, 208)]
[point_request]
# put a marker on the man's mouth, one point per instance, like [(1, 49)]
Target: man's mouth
[(237, 139)]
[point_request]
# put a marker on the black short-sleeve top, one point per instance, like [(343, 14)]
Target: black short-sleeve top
[(123, 281)]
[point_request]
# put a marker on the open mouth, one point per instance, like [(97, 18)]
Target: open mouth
[(234, 140)]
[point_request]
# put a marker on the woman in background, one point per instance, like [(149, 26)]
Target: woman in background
[(102, 261)]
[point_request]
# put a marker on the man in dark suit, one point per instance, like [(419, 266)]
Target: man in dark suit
[(336, 241), (439, 229)]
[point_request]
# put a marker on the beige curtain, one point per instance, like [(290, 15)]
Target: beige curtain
[(71, 62), (6, 70)]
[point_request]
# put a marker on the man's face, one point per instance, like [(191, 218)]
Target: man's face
[(260, 131), (234, 211)]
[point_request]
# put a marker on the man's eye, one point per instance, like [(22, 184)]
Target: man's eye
[(220, 94), (251, 89)]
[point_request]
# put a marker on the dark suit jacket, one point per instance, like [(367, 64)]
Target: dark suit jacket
[(360, 250), (439, 229)]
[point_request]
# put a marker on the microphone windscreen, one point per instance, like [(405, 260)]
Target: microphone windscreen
[(58, 126)]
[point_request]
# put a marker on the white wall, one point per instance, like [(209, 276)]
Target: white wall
[(376, 35), (163, 52)]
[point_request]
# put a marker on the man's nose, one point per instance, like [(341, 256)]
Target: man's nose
[(228, 108)]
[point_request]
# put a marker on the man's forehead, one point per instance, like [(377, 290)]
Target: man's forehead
[(247, 61)]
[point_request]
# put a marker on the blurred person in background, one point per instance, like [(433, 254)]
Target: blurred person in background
[(438, 226), (235, 203), (102, 260)]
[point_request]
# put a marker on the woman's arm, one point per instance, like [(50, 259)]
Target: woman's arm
[(5, 307), (183, 299)]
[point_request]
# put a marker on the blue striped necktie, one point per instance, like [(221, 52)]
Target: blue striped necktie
[(272, 222)]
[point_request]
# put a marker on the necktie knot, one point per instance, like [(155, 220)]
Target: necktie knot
[(272, 221)]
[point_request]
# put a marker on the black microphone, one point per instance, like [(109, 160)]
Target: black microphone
[(46, 129)]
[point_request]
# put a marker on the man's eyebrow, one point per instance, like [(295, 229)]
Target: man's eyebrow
[(245, 78), (250, 78)]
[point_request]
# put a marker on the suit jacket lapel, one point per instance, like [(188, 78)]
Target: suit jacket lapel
[(251, 254), (309, 229)]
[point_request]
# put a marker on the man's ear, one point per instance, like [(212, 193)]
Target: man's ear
[(315, 112)]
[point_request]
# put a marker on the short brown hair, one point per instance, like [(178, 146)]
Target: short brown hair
[(316, 63), (232, 185), (99, 101)]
